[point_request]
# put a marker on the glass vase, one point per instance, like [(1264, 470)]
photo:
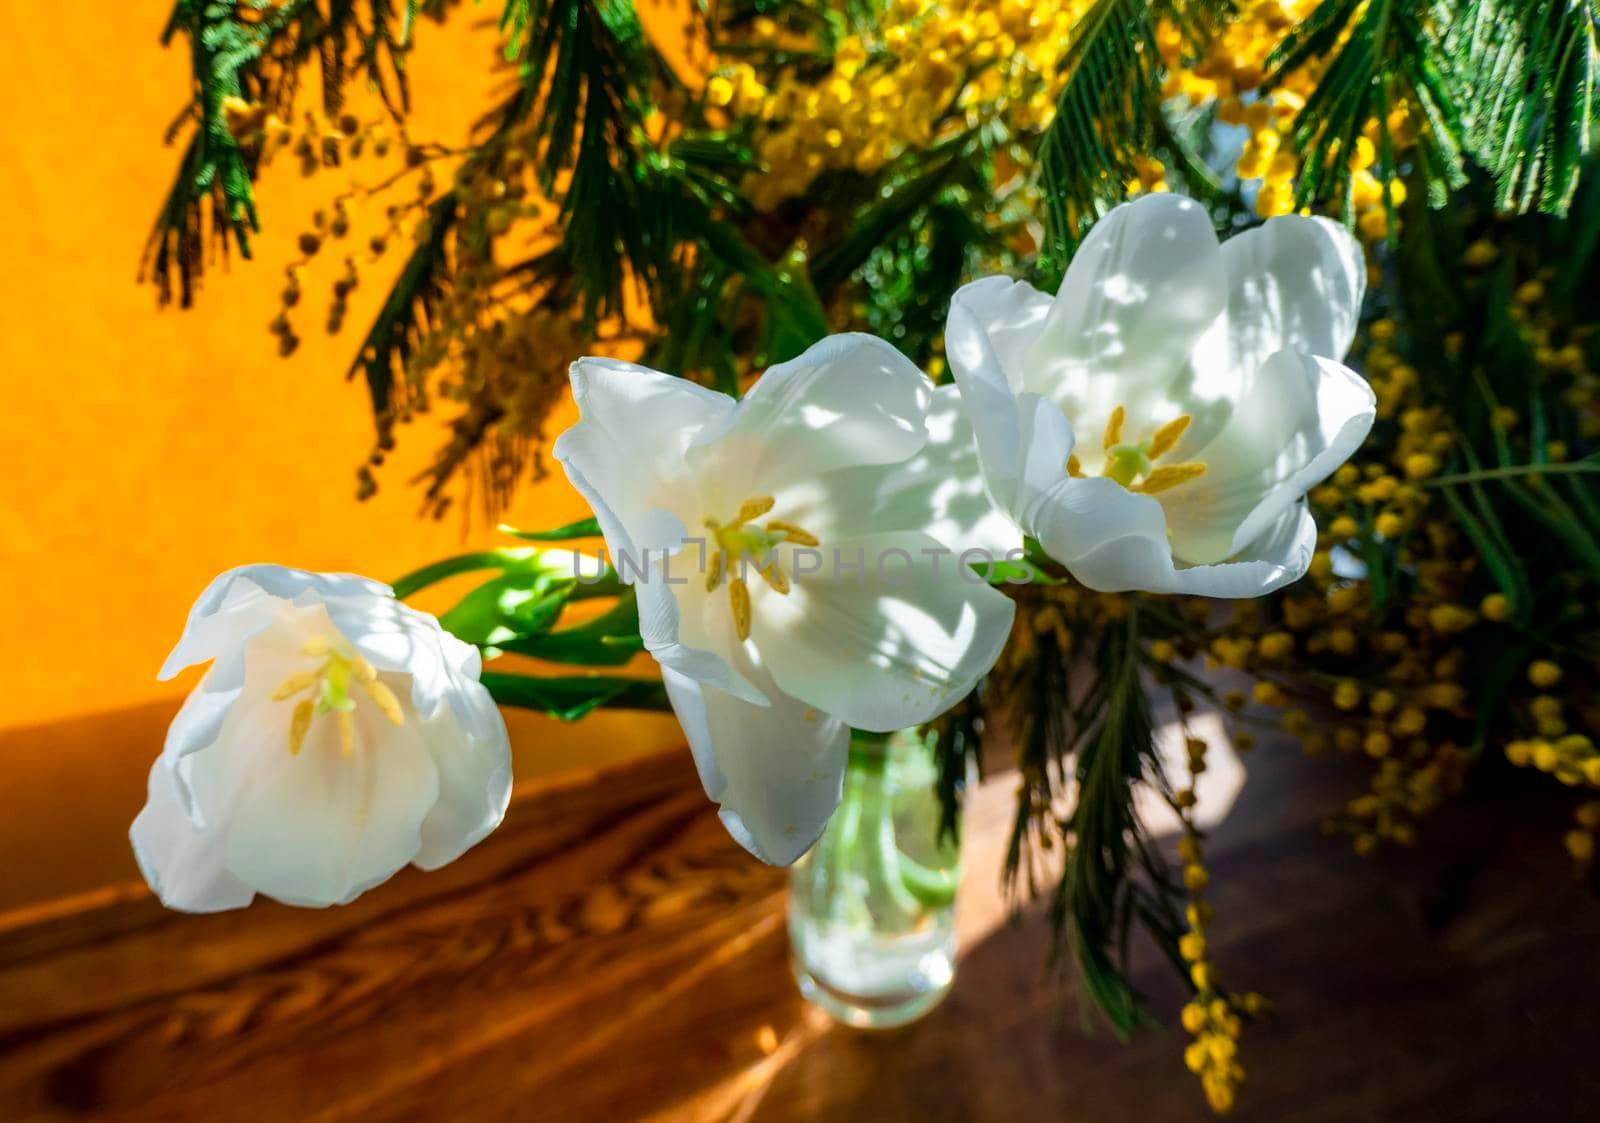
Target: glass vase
[(872, 926)]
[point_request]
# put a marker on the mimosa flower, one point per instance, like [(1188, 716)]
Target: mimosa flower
[(337, 735), (796, 559), (1157, 423)]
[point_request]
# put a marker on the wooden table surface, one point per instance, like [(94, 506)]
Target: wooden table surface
[(610, 955)]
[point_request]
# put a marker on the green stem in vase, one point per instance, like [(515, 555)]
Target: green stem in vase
[(936, 889), (896, 883)]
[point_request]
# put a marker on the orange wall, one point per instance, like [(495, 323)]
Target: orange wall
[(146, 450)]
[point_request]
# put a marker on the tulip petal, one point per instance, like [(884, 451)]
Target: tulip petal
[(703, 646), (626, 452), (1003, 318), (1278, 557), (474, 710), (625, 456), (319, 828), (1023, 441), (1080, 515), (848, 400), (889, 644), (237, 606), (1298, 418), (1047, 440), (395, 637), (1114, 540), (197, 723), (1295, 283), (182, 863), (240, 602), (938, 491), (1140, 291), (776, 770), (474, 772), (987, 395), (240, 606)]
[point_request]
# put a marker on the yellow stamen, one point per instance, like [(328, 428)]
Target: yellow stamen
[(300, 725), (738, 540), (384, 699), (793, 533), (294, 684), (1167, 436), (739, 598), (332, 681), (753, 509), (1167, 477), (1074, 469), (775, 576), (1114, 428)]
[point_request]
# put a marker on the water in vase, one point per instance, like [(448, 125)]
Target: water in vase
[(872, 907)]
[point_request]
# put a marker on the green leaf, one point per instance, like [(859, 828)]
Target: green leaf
[(955, 740), (1372, 55), (609, 640), (932, 888), (505, 608), (1550, 510), (876, 222), (793, 313), (1377, 561), (1109, 111), (1505, 666), (909, 278), (586, 71), (1503, 564), (795, 317), (1008, 572), (1526, 71), (1093, 902), (1580, 237), (570, 697), (257, 50), (583, 528), (527, 558)]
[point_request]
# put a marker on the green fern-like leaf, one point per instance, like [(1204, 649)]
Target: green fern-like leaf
[(1527, 71), (211, 200), (255, 50), (1104, 117), (1110, 110), (1376, 54), (585, 69), (1094, 905)]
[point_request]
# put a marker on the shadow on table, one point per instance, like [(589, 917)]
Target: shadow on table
[(1449, 986)]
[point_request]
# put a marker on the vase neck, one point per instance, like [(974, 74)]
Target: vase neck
[(873, 752)]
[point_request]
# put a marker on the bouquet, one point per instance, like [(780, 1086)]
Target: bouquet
[(947, 366)]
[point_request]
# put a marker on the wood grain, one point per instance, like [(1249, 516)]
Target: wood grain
[(610, 955)]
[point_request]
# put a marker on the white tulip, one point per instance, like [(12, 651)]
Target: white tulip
[(801, 570), (337, 735), (1157, 423)]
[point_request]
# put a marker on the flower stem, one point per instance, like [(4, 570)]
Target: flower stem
[(896, 884), (1576, 466)]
